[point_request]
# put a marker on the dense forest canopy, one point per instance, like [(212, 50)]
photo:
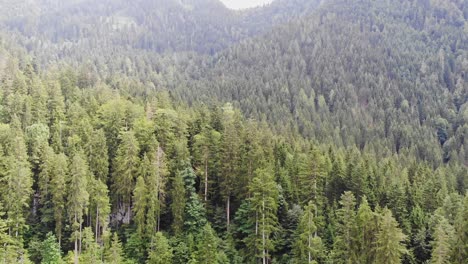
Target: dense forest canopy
[(180, 131)]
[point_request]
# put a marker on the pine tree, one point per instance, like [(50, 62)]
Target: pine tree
[(460, 252), (207, 246), (140, 202), (58, 191), (195, 213), (98, 158), (100, 207), (78, 198), (206, 146), (343, 250), (312, 172), (161, 251), (264, 202), (389, 248), (443, 242), (178, 203), (37, 137), (9, 246), (230, 153), (91, 251), (114, 254), (156, 180), (44, 184), (126, 169), (55, 115), (308, 247), (17, 185), (366, 224)]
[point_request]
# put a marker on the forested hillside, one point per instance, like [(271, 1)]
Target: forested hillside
[(179, 131)]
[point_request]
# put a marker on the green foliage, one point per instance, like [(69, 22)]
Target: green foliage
[(443, 242), (161, 251), (344, 241), (308, 247), (389, 240), (264, 203), (178, 203), (126, 168), (207, 247), (185, 118), (90, 251), (50, 250), (114, 254)]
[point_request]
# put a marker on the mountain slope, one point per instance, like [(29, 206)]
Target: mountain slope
[(355, 73), (203, 26)]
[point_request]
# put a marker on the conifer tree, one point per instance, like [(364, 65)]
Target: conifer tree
[(230, 153), (178, 203), (91, 253), (264, 202), (50, 250), (100, 206), (140, 202), (460, 250), (98, 158), (58, 183), (389, 247), (443, 242), (9, 247), (206, 146), (343, 250), (78, 197), (366, 227), (126, 170), (312, 171), (161, 251), (207, 246), (195, 213), (44, 184), (17, 185), (308, 246), (156, 180), (114, 254)]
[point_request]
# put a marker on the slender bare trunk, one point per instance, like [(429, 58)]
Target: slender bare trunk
[(228, 209), (81, 225), (97, 224), (206, 179), (309, 242), (263, 233), (76, 244)]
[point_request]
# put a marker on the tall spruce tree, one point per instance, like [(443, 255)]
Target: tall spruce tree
[(442, 245), (264, 203), (78, 198), (308, 247), (160, 251), (389, 247), (124, 176), (343, 246)]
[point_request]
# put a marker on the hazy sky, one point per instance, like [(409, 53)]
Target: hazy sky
[(240, 4)]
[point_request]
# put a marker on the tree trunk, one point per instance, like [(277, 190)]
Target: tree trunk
[(228, 204), (309, 242), (81, 225), (76, 244), (206, 180), (263, 233), (97, 224)]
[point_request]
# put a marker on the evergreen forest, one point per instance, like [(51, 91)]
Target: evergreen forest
[(181, 131)]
